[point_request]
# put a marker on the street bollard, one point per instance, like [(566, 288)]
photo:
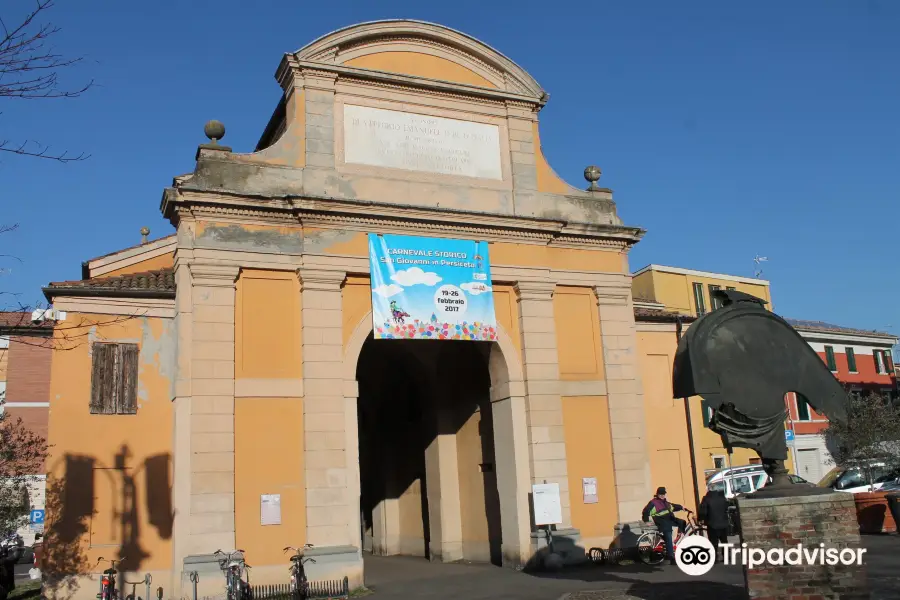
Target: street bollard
[(195, 577)]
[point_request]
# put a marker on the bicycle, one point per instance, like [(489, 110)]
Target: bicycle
[(299, 581), (652, 545), (108, 590), (235, 587)]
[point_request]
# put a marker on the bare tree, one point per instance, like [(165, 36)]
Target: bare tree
[(29, 70), (22, 455), (869, 441)]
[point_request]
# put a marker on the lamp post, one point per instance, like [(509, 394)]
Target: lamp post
[(690, 431)]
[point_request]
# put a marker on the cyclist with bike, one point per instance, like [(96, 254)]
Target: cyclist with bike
[(663, 514)]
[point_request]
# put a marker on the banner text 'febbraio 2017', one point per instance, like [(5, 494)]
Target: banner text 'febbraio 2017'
[(431, 289)]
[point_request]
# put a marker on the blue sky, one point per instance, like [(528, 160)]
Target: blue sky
[(725, 129)]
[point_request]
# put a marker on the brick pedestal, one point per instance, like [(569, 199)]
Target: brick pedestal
[(783, 523)]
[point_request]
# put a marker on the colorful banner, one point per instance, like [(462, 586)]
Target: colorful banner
[(431, 289)]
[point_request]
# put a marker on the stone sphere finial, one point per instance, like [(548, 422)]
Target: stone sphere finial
[(145, 231), (592, 174), (214, 130)]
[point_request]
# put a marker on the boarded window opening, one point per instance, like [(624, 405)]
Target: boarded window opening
[(114, 378)]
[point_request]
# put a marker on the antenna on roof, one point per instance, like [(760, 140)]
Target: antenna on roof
[(758, 259)]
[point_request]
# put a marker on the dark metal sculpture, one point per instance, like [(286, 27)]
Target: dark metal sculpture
[(742, 359)]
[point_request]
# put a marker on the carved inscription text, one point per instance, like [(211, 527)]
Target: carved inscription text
[(402, 140)]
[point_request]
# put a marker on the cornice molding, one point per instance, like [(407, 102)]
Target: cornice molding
[(534, 291), (498, 76), (333, 213), (450, 44), (207, 275), (320, 279)]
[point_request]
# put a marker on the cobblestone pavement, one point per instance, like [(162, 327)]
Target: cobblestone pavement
[(401, 577)]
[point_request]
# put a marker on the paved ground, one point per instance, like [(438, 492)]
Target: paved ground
[(401, 577)]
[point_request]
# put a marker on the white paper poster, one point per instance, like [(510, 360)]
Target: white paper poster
[(270, 509), (589, 489), (547, 506)]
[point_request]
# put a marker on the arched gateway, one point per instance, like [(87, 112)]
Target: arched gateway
[(283, 419)]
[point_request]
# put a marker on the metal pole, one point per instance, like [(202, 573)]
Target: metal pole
[(793, 442), (690, 432)]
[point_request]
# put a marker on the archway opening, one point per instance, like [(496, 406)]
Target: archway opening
[(428, 483)]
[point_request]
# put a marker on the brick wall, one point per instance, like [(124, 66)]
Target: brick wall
[(28, 381), (808, 520), (28, 378)]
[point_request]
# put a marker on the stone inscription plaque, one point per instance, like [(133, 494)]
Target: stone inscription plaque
[(402, 140)]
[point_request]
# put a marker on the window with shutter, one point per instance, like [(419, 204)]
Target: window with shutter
[(114, 378), (851, 359), (829, 358), (707, 412), (879, 364), (714, 301), (802, 409), (699, 301), (128, 379)]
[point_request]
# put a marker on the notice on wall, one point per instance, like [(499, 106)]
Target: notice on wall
[(431, 289), (414, 142), (589, 490), (547, 505), (270, 509)]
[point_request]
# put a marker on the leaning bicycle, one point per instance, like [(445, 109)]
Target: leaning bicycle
[(299, 581), (108, 588), (652, 545), (234, 566)]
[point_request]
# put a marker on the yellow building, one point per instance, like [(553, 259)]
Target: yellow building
[(689, 293), (223, 387)]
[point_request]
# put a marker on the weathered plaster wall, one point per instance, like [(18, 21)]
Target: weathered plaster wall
[(585, 411), (268, 414), (109, 480)]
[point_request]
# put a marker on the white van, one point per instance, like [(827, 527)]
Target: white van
[(742, 480)]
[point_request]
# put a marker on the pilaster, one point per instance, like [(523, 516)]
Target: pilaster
[(513, 473), (546, 436), (631, 464), (204, 410), (332, 514), (319, 97)]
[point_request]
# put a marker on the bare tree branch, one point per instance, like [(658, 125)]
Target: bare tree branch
[(29, 69), (39, 152)]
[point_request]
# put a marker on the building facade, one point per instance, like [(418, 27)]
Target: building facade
[(232, 375), (859, 359), (689, 293), (25, 356)]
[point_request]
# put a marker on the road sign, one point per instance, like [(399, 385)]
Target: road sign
[(37, 517), (789, 436)]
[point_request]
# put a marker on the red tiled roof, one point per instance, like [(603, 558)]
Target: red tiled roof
[(829, 328), (660, 316), (21, 320), (160, 284)]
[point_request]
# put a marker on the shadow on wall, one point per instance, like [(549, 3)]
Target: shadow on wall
[(74, 518)]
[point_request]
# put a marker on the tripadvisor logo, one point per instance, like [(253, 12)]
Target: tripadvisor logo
[(696, 555), (794, 555)]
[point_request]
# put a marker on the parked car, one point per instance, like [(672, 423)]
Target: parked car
[(853, 480), (738, 481)]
